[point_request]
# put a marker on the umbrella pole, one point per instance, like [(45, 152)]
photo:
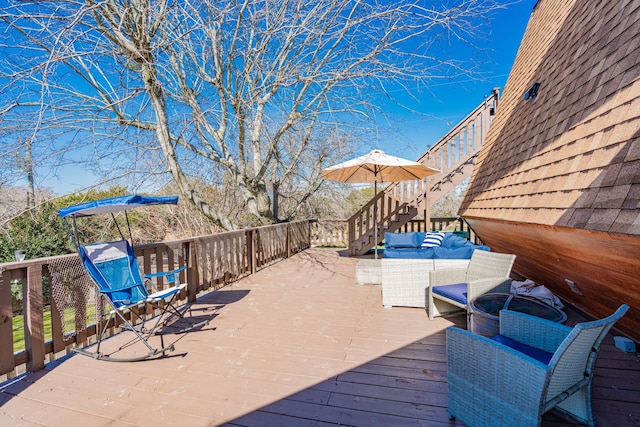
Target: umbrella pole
[(375, 219)]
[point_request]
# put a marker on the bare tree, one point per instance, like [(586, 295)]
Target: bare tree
[(252, 97)]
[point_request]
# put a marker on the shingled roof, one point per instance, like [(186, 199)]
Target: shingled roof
[(571, 155)]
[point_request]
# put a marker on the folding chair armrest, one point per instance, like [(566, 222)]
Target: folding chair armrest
[(170, 276), (121, 303), (164, 273), (165, 293), (447, 276), (534, 331)]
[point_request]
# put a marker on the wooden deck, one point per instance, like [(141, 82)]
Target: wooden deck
[(299, 343)]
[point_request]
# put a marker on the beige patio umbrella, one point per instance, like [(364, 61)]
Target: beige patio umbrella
[(376, 167)]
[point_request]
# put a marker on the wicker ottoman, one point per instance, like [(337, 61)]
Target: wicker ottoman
[(369, 272)]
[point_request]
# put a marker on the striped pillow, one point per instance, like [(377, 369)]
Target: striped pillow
[(432, 239)]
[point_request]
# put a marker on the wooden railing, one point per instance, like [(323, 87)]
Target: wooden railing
[(456, 224), (329, 233), (385, 212), (213, 261)]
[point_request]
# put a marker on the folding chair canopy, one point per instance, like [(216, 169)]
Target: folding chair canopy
[(115, 204)]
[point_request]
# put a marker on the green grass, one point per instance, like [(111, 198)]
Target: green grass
[(69, 323)]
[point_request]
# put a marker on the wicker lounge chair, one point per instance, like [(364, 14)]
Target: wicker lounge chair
[(452, 289), (534, 365)]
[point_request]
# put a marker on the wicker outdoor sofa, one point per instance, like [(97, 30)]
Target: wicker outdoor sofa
[(404, 280), (408, 260)]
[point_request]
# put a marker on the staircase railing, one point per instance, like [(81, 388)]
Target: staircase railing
[(385, 212), (454, 156)]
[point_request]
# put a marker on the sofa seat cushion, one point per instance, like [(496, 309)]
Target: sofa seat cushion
[(410, 253), (409, 245), (536, 353), (457, 292)]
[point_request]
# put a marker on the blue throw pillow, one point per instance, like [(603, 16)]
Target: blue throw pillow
[(453, 242), (401, 240), (432, 240), (457, 253), (449, 240)]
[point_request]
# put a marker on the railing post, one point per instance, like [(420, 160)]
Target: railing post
[(57, 327), (288, 242), (193, 275), (251, 250), (6, 330), (34, 320), (313, 225)]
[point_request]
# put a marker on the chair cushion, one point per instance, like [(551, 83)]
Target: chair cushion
[(536, 353), (457, 292), (440, 252), (408, 253)]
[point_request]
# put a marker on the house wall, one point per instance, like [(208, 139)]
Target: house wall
[(558, 180)]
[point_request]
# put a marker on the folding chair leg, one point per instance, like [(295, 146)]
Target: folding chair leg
[(173, 310), (139, 336)]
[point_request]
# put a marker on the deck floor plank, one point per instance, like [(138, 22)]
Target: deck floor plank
[(299, 343)]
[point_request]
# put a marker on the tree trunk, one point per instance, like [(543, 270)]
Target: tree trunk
[(162, 131)]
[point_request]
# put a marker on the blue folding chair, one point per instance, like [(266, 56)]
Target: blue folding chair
[(114, 270), (113, 267)]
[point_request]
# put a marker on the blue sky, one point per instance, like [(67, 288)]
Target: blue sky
[(435, 112), (449, 102)]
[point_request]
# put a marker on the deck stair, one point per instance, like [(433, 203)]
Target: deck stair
[(398, 203), (392, 215)]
